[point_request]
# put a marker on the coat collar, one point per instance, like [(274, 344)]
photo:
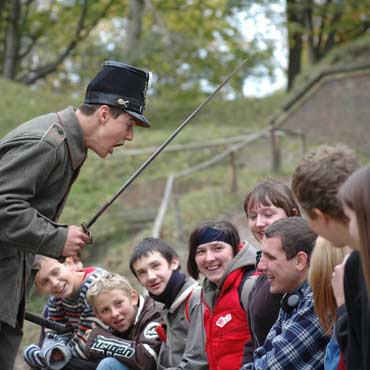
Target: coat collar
[(72, 128)]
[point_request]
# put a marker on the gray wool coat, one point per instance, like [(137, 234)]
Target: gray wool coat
[(39, 160)]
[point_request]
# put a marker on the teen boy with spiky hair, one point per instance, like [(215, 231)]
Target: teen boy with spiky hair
[(315, 184)]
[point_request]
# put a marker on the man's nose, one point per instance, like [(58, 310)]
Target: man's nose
[(209, 256), (262, 266), (130, 135), (260, 220), (115, 312), (151, 275)]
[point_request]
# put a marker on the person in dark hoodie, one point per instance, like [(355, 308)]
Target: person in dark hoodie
[(228, 268), (268, 202)]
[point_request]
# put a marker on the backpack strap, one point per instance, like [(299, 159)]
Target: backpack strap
[(187, 315), (248, 274)]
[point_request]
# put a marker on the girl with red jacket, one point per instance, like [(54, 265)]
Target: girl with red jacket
[(228, 268)]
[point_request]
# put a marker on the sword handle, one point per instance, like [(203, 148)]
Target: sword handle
[(87, 232)]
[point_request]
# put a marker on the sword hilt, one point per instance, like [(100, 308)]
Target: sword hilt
[(87, 232)]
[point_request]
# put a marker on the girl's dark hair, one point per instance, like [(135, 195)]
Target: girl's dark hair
[(355, 194), (230, 233), (272, 192)]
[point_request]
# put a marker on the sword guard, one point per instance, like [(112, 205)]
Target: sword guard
[(87, 231)]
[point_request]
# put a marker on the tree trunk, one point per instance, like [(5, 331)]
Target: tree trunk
[(134, 30), (295, 35), (12, 40)]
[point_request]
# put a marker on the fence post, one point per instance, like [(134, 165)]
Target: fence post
[(276, 152), (233, 178), (178, 220), (163, 207)]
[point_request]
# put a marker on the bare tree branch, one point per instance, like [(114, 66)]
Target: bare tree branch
[(81, 33)]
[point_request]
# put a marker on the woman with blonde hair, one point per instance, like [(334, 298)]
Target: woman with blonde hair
[(324, 258)]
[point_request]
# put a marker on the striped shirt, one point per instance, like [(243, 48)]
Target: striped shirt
[(75, 312), (296, 340)]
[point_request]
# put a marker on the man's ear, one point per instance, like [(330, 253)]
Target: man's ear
[(295, 212), (103, 113), (175, 263), (69, 263), (302, 260), (320, 215), (134, 297)]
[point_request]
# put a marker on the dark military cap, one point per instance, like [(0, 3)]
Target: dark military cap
[(120, 85)]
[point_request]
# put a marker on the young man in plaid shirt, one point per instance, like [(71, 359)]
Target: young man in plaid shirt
[(296, 340)]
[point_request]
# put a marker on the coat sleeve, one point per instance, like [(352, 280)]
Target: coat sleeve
[(24, 169), (194, 357), (140, 354)]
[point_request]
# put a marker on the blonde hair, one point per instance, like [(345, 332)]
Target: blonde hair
[(323, 260), (106, 283)]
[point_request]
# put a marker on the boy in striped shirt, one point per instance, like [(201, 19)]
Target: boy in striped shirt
[(67, 305)]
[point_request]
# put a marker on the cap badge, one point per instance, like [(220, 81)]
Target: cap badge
[(123, 102)]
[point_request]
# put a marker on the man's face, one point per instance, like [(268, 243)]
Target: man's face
[(113, 132), (116, 308), (353, 227), (281, 273), (56, 279), (154, 271), (327, 227)]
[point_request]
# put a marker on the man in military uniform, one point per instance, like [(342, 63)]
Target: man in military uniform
[(39, 161)]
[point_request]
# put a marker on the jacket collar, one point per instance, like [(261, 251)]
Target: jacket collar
[(74, 134)]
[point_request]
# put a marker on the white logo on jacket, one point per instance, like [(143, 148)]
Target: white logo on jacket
[(150, 331), (223, 320)]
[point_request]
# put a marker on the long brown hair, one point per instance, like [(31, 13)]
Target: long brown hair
[(323, 260), (355, 194)]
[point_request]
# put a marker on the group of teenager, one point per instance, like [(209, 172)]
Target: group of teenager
[(295, 298)]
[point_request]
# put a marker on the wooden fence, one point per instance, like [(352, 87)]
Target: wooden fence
[(272, 132)]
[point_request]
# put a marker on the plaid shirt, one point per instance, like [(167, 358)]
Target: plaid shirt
[(296, 340)]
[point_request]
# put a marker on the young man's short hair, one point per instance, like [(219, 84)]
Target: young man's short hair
[(295, 235), (151, 245), (90, 109), (106, 283), (317, 178)]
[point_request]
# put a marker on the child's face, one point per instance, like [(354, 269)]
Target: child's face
[(213, 258), (116, 308), (154, 272), (56, 279)]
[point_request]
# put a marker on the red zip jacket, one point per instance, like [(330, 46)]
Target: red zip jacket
[(226, 326)]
